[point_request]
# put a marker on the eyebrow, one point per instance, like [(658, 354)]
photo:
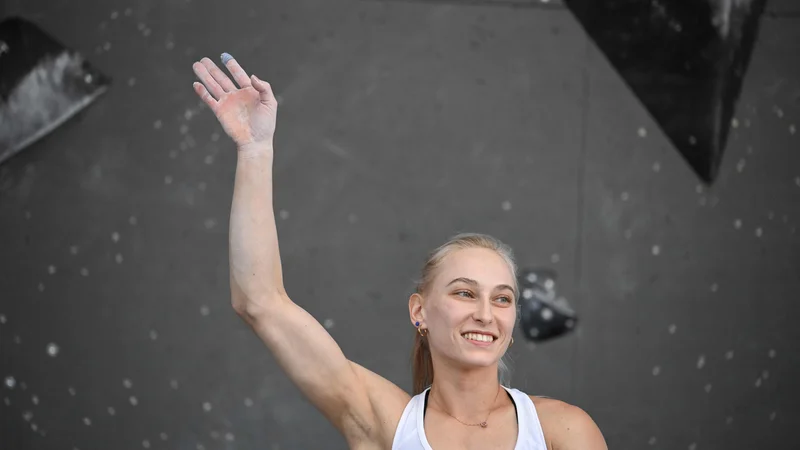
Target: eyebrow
[(475, 283)]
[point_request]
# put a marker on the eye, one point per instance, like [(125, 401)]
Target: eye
[(469, 294), (505, 299)]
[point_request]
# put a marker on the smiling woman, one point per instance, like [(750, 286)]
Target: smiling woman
[(464, 311)]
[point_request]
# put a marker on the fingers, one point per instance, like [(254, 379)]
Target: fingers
[(239, 75), (264, 90), (218, 75), (208, 80), (204, 95)]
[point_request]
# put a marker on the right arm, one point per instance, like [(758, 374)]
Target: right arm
[(300, 345), (362, 405)]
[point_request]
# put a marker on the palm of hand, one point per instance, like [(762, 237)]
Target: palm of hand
[(244, 117), (246, 110)]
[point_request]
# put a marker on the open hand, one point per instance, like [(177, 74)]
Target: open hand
[(248, 112)]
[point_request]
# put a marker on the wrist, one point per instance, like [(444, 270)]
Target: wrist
[(255, 150)]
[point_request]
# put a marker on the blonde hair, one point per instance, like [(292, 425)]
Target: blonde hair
[(422, 363)]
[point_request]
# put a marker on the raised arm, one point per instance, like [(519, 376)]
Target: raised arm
[(302, 347)]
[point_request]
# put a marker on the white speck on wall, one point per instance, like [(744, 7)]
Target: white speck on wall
[(210, 223), (701, 361), (772, 353), (3, 319), (114, 15), (740, 165), (153, 334), (708, 388), (642, 131), (555, 258), (35, 400), (283, 214), (131, 82), (111, 411), (656, 371), (73, 249), (118, 258), (71, 391), (206, 406), (737, 223), (157, 124), (146, 443), (699, 189), (759, 232), (173, 384), (229, 437), (656, 166), (624, 196), (773, 415), (656, 250), (652, 440), (792, 129), (163, 436), (10, 382), (168, 179), (248, 402), (84, 272), (729, 354), (778, 111), (52, 349), (758, 382), (328, 323), (506, 205), (734, 123), (115, 237), (133, 400), (204, 310), (87, 421), (51, 269), (714, 287)]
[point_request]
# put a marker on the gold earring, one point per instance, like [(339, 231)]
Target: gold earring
[(420, 331), (512, 341)]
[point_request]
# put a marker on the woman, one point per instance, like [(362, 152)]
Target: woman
[(464, 312)]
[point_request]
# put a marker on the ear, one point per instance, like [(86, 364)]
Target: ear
[(415, 311)]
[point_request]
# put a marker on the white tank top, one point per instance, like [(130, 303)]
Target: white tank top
[(410, 433)]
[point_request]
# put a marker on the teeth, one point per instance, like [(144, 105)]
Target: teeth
[(478, 337)]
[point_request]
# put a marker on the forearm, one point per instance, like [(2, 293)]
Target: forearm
[(255, 266)]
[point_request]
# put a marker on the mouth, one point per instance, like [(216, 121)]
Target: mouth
[(480, 339)]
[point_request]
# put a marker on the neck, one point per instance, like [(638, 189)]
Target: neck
[(469, 396)]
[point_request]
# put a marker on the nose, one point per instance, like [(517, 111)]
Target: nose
[(483, 312)]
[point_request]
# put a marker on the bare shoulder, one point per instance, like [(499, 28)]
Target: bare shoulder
[(387, 402), (567, 427)]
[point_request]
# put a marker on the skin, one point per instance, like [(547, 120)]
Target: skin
[(365, 407)]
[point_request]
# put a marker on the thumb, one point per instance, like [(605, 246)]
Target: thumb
[(264, 90)]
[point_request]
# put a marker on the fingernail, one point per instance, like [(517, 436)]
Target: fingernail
[(225, 58)]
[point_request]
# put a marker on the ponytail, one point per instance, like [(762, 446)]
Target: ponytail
[(422, 364)]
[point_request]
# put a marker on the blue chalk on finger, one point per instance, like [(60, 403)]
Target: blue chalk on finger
[(225, 57)]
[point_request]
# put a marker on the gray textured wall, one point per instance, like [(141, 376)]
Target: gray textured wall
[(401, 124)]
